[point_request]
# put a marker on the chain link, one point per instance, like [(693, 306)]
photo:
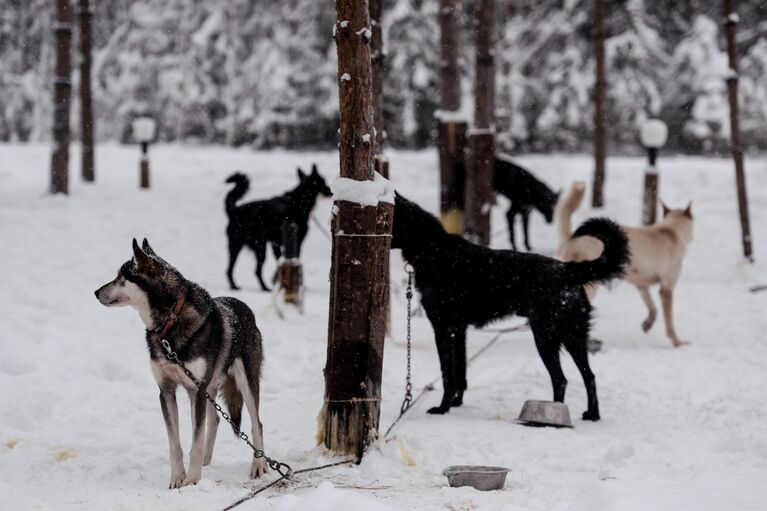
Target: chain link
[(408, 401), (281, 468)]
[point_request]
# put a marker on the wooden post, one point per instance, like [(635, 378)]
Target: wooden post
[(62, 90), (479, 178), (600, 106), (451, 130), (86, 103), (730, 20), (144, 166), (290, 271), (650, 202), (360, 255)]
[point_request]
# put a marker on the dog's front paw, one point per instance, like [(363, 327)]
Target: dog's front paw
[(679, 343), (457, 400), (258, 468), (177, 480), (590, 416), (438, 410), (191, 479)]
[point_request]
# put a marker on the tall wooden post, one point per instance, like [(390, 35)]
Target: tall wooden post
[(730, 20), (378, 58), (479, 178), (451, 128), (86, 104), (360, 255), (62, 90), (600, 106)]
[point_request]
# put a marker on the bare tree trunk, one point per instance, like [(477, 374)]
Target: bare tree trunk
[(378, 57), (86, 105), (62, 90), (600, 105), (360, 258), (451, 130), (479, 178), (730, 20)]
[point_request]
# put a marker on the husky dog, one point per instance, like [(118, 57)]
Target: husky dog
[(260, 222), (215, 338), (657, 253), (525, 193), (464, 284)]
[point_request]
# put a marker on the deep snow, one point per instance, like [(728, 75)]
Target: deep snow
[(80, 424)]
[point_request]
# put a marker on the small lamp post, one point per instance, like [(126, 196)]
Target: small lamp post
[(144, 129), (653, 135)]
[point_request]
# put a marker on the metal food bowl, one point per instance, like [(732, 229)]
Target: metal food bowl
[(545, 413), (477, 476)]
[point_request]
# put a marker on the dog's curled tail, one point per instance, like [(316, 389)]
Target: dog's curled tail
[(242, 183), (611, 263), (566, 206), (233, 400)]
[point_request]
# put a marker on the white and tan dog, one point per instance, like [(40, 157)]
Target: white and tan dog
[(657, 252)]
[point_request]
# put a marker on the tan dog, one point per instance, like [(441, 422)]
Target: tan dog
[(657, 252)]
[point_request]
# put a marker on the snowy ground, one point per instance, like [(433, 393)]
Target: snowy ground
[(80, 425)]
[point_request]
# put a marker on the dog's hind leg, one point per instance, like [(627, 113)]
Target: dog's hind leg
[(652, 312), (235, 246), (547, 342), (576, 345), (169, 408), (445, 348), (247, 383), (210, 433), (260, 249), (199, 411), (459, 364)]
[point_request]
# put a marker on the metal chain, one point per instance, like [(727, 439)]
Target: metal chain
[(408, 401), (281, 468)]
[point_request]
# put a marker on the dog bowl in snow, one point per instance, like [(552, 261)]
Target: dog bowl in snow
[(477, 476), (545, 413)]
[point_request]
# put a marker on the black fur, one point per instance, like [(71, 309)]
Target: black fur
[(464, 284), (257, 223), (525, 193)]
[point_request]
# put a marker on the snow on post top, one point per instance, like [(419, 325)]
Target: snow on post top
[(364, 193)]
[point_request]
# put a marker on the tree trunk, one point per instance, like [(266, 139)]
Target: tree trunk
[(377, 57), (730, 20), (600, 105), (62, 90), (451, 129), (86, 105), (360, 256), (479, 182)]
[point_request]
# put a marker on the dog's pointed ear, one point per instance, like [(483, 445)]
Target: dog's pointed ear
[(301, 175), (666, 209), (688, 210), (146, 248), (143, 262), (315, 172)]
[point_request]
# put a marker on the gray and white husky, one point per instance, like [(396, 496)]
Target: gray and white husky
[(215, 338)]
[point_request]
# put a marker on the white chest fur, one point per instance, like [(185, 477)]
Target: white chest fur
[(164, 370)]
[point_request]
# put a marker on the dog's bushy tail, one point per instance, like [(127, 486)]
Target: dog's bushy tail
[(566, 206), (242, 183), (233, 400), (611, 264)]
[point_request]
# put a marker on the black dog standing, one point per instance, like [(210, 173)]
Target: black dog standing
[(525, 193), (257, 223), (464, 284)]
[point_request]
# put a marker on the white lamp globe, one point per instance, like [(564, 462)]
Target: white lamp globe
[(653, 133), (144, 129)]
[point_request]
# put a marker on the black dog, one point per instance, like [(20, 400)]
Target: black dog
[(525, 193), (260, 222), (464, 284)]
